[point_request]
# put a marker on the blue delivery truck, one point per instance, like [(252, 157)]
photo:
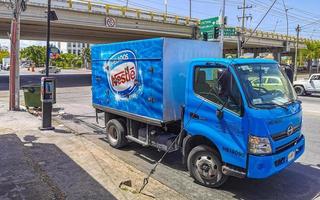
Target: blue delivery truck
[(228, 117)]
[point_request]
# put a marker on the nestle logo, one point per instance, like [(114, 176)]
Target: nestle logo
[(122, 73)]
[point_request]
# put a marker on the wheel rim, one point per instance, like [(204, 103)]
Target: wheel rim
[(207, 167), (113, 134), (298, 90)]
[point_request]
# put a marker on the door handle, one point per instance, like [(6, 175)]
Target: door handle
[(196, 116)]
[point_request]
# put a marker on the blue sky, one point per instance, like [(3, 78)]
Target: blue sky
[(300, 12)]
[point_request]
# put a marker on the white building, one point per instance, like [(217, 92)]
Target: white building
[(70, 47)]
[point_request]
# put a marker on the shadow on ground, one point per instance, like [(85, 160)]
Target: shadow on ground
[(31, 170), (297, 182)]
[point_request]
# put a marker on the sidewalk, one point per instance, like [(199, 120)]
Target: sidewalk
[(62, 164)]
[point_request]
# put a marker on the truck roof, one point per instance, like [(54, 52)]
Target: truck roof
[(235, 60)]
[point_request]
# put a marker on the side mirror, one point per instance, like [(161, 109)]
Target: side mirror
[(219, 114)]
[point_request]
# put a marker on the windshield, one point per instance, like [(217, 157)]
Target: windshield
[(265, 85)]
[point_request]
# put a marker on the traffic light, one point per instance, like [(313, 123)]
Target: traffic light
[(205, 36), (216, 31)]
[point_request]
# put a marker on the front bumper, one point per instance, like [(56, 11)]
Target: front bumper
[(265, 166)]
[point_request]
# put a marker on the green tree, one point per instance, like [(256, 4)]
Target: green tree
[(86, 57), (68, 61), (310, 53), (37, 54), (3, 54)]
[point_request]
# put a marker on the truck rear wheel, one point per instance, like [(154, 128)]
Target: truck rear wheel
[(299, 90), (205, 166), (116, 133)]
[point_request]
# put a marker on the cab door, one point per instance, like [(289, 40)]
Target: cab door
[(209, 88), (315, 82)]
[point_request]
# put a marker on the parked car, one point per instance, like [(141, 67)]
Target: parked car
[(6, 67), (268, 82), (52, 69), (306, 87)]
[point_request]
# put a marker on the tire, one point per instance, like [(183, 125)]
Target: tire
[(116, 133), (299, 90), (201, 161)]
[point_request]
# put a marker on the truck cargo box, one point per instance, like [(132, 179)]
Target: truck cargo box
[(145, 79)]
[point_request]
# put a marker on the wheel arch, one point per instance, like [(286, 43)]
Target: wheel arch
[(191, 141)]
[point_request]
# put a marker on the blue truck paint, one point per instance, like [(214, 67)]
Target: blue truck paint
[(160, 65), (159, 74)]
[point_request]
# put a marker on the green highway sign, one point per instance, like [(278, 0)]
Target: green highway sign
[(230, 31), (207, 25)]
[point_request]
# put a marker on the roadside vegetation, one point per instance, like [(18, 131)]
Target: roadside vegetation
[(310, 55), (3, 54), (37, 54)]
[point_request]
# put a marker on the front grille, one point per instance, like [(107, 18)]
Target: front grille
[(284, 134), (288, 145)]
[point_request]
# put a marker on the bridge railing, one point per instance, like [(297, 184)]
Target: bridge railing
[(272, 35), (123, 11)]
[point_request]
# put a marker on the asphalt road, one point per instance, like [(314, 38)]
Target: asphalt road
[(63, 80), (299, 181)]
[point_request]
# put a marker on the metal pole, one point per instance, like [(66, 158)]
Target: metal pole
[(48, 38), (47, 106), (298, 29), (242, 26), (166, 7), (222, 25), (287, 36), (238, 44), (190, 9), (127, 3)]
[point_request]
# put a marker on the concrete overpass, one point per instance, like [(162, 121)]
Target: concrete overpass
[(82, 21)]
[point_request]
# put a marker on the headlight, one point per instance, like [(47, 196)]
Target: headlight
[(259, 145)]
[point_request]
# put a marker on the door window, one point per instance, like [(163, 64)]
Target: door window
[(315, 77), (217, 85)]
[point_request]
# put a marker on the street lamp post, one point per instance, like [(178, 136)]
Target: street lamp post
[(47, 105)]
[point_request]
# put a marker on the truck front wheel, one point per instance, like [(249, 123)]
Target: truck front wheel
[(205, 166), (116, 133)]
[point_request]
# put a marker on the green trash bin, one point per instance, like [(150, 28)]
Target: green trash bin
[(32, 96)]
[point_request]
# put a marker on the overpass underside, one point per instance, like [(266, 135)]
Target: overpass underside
[(89, 27)]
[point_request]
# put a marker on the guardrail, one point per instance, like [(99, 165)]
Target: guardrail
[(275, 36), (123, 11)]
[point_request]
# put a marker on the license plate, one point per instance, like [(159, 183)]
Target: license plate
[(291, 155)]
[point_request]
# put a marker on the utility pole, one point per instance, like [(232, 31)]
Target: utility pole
[(127, 4), (287, 36), (190, 9), (275, 27), (298, 29), (166, 7), (243, 18), (238, 44), (222, 25), (17, 7)]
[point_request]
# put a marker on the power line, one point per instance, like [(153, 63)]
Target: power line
[(260, 21)]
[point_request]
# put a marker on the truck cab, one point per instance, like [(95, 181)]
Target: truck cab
[(236, 124)]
